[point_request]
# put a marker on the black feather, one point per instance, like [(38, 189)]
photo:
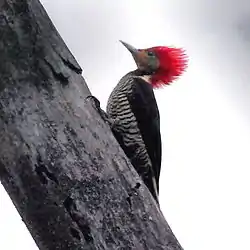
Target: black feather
[(144, 106)]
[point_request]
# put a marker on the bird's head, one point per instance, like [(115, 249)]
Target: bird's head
[(162, 64)]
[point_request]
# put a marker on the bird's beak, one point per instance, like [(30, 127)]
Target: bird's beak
[(131, 49), (139, 56)]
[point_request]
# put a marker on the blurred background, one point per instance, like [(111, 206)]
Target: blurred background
[(205, 118)]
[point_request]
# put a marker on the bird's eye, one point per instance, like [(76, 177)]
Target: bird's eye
[(150, 53)]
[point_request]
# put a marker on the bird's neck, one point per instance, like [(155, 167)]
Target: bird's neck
[(139, 72), (142, 75)]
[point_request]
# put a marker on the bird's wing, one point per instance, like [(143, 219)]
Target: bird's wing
[(144, 106)]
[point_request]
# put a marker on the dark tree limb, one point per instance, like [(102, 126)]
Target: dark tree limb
[(64, 171)]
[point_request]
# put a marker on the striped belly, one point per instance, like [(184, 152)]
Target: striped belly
[(128, 133), (130, 137)]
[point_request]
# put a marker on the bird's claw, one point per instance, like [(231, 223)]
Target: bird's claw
[(94, 101)]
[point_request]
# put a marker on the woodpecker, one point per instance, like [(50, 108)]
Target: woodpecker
[(132, 110)]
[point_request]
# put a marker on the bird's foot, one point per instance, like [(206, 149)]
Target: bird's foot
[(114, 124), (96, 104)]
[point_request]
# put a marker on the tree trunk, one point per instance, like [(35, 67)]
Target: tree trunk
[(59, 162)]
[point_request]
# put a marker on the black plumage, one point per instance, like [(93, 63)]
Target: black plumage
[(132, 107), (132, 111)]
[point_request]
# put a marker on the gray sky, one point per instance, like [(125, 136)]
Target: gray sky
[(204, 116)]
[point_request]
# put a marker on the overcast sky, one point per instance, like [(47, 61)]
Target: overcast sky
[(205, 118)]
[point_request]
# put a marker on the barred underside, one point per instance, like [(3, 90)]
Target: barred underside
[(118, 108)]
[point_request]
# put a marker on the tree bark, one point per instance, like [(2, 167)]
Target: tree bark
[(59, 162)]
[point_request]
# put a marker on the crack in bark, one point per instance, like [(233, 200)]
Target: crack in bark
[(59, 75), (70, 65)]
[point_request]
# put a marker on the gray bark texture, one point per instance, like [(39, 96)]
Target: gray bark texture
[(59, 162)]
